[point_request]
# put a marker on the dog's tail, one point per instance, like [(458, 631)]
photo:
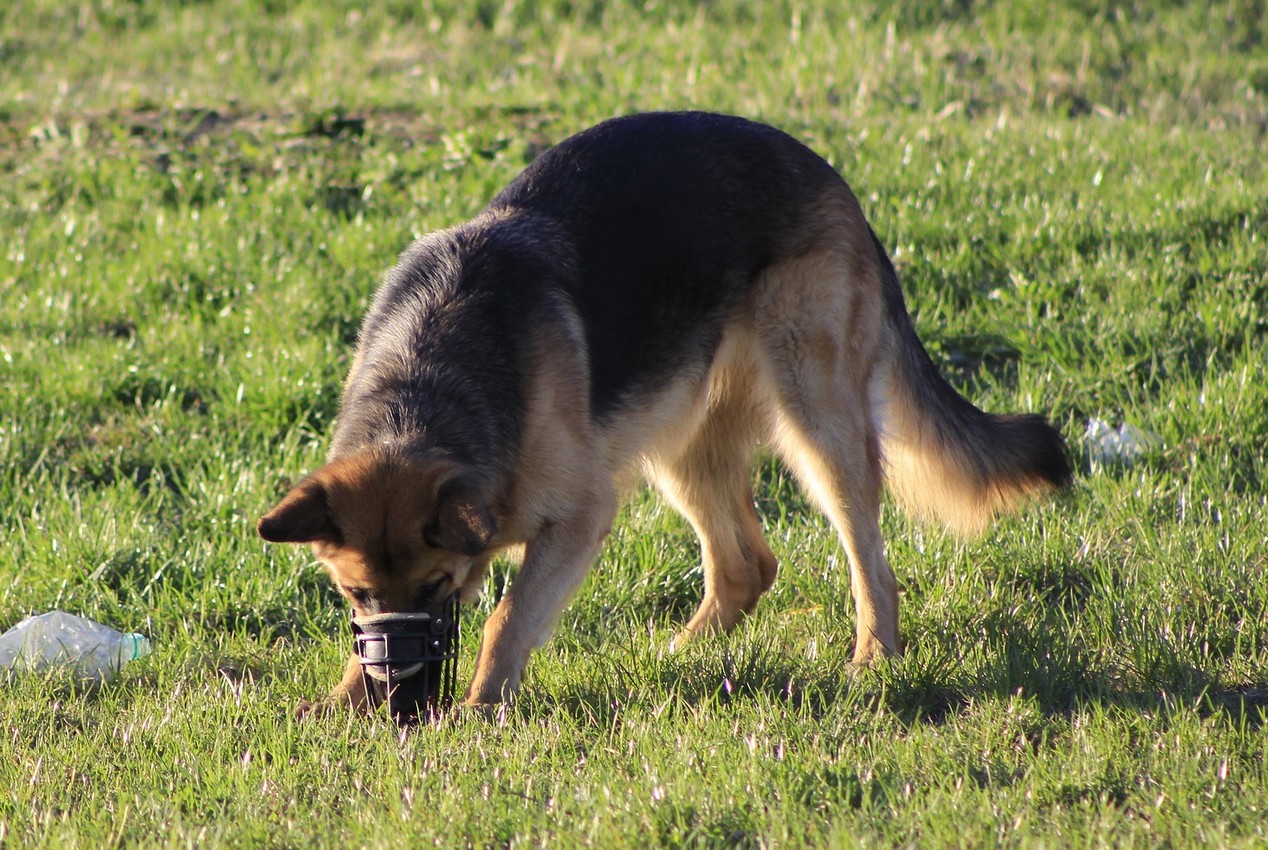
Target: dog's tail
[(946, 460)]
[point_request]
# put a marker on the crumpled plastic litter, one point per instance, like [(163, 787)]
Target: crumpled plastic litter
[(1121, 446)]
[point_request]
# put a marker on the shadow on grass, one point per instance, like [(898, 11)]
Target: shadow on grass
[(926, 686)]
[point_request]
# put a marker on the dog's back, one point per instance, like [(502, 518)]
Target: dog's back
[(672, 217)]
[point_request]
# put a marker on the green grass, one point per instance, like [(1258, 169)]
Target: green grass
[(196, 202)]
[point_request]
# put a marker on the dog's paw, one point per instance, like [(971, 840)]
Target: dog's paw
[(872, 663), (854, 670), (874, 654), (307, 709), (490, 712), (681, 639)]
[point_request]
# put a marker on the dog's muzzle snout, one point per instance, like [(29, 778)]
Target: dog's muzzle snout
[(409, 660)]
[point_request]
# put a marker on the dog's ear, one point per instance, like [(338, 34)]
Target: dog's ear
[(463, 521), (303, 516)]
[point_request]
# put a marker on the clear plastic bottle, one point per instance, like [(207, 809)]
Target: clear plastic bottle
[(57, 639)]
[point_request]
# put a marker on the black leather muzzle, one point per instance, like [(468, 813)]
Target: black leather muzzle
[(409, 661)]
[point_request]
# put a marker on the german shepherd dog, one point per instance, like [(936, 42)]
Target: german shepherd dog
[(658, 294)]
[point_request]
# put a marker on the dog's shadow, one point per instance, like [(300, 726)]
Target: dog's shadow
[(926, 685)]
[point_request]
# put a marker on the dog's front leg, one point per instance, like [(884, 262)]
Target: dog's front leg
[(555, 563), (348, 694), (351, 688)]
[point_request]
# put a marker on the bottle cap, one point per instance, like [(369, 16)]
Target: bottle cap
[(136, 646)]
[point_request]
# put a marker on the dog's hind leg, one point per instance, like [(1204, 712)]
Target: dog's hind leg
[(840, 467), (708, 482), (817, 361)]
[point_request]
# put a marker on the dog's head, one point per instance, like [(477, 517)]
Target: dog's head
[(396, 533)]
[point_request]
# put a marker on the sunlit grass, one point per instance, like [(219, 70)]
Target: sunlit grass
[(197, 200)]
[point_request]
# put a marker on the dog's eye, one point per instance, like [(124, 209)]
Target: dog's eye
[(359, 595)]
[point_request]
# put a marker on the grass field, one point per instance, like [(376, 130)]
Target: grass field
[(196, 202)]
